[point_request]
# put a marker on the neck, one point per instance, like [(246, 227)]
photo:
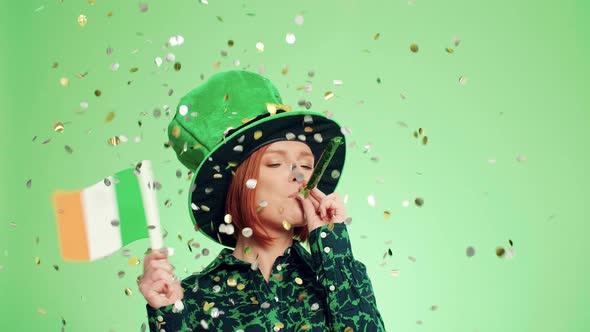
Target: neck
[(265, 255)]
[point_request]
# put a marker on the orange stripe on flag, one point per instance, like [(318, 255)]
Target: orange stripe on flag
[(70, 225)]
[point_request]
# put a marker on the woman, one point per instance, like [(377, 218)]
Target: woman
[(246, 195)]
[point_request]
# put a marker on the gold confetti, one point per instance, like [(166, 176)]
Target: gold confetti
[(176, 131), (348, 329), (58, 127), (419, 201), (227, 218), (257, 134), (414, 47), (207, 305), (91, 2), (286, 225), (133, 261), (128, 291), (230, 43), (97, 93), (177, 66), (64, 81), (232, 282), (114, 141), (424, 140), (110, 116), (55, 65), (500, 251), (376, 36), (285, 70), (37, 261), (450, 50), (298, 281), (328, 95), (42, 311), (386, 214), (82, 20), (241, 286), (133, 70)]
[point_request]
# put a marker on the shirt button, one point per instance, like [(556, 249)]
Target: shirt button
[(326, 249), (323, 235)]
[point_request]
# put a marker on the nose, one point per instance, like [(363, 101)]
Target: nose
[(296, 175)]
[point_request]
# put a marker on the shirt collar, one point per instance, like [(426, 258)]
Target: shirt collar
[(296, 253)]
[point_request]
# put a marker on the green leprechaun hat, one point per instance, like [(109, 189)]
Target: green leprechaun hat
[(222, 122)]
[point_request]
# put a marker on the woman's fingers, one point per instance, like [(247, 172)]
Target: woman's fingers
[(155, 255), (159, 274), (160, 264), (162, 293)]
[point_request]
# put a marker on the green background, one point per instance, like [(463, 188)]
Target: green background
[(506, 158)]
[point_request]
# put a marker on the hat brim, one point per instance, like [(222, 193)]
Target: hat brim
[(213, 176)]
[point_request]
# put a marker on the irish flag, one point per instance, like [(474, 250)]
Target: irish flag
[(98, 220)]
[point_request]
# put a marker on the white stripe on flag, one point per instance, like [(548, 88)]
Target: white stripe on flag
[(150, 203), (100, 208)]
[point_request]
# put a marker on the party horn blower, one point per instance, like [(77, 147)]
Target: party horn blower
[(322, 164)]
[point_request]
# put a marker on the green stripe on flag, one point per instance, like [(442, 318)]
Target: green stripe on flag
[(133, 222)]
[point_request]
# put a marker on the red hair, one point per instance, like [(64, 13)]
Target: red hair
[(240, 202)]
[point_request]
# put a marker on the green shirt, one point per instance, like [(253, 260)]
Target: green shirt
[(327, 290)]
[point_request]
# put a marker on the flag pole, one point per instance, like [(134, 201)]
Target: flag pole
[(148, 189)]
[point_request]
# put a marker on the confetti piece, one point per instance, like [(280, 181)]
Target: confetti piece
[(290, 38), (500, 251), (64, 81), (247, 232), (470, 252), (69, 149), (176, 40), (463, 80), (114, 141), (286, 225), (414, 48), (456, 41), (29, 183), (115, 66), (251, 183), (376, 36), (328, 95), (386, 214), (177, 66), (299, 19), (58, 127), (128, 292), (419, 201), (133, 261), (143, 7), (521, 158), (450, 50), (109, 117), (371, 200), (42, 311), (395, 273), (82, 20)]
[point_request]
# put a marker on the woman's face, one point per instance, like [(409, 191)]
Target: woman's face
[(284, 167)]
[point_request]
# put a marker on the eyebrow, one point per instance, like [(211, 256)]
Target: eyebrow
[(283, 152)]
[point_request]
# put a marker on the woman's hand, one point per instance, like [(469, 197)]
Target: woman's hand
[(157, 284), (320, 209)]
